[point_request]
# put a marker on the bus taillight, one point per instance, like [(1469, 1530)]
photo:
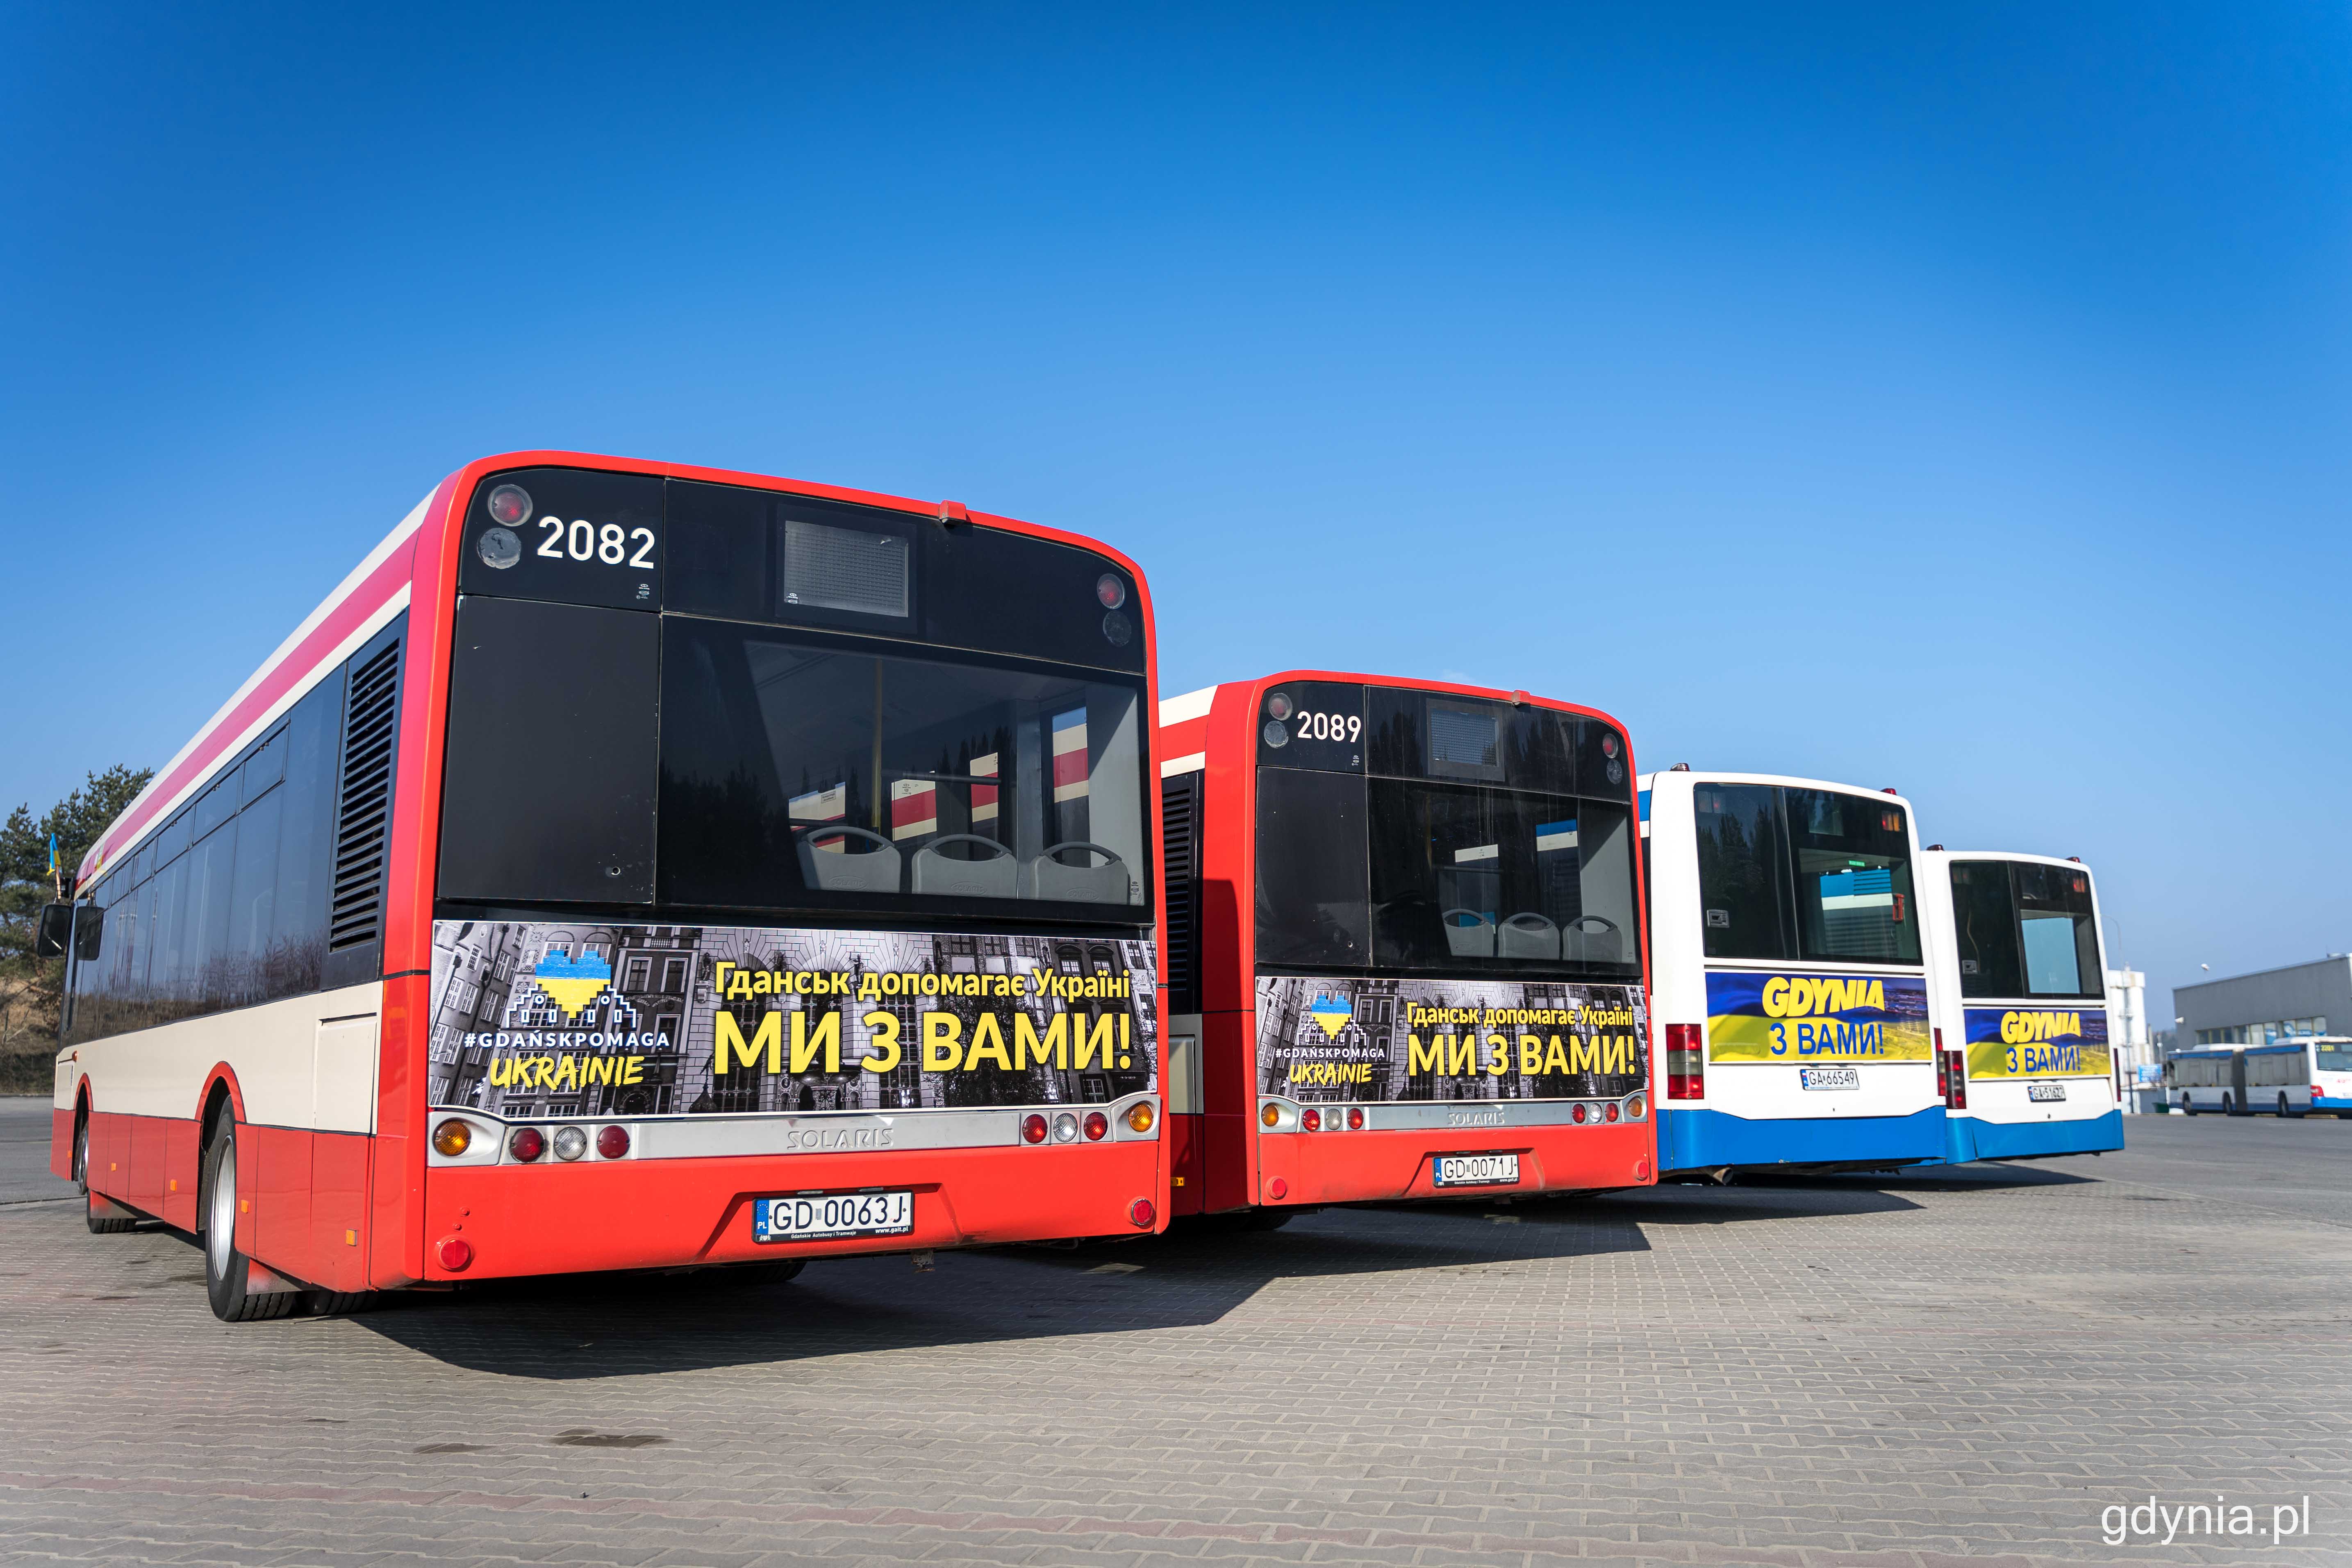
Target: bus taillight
[(1356, 1116), (1311, 1119), (1033, 1128), (1960, 1081), (1098, 1124), (1685, 1065), (612, 1143), (1943, 1070)]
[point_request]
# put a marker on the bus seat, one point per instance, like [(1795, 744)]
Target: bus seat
[(994, 874), (1592, 939), (1527, 935), (1050, 878), (846, 870), (1469, 933)]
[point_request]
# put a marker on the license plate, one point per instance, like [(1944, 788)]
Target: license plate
[(2045, 1091), (833, 1214), (1476, 1170), (1830, 1077)]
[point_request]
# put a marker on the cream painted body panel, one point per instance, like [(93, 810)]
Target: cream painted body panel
[(307, 1061)]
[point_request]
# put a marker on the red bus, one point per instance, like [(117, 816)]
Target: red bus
[(1404, 957), (630, 866)]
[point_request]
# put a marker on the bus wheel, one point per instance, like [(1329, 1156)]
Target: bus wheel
[(227, 1268), (337, 1303), (2284, 1112), (2188, 1107), (2227, 1109)]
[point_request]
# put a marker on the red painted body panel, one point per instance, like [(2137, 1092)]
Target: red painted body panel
[(61, 1131), (1242, 1161), (547, 1219), (1187, 1163)]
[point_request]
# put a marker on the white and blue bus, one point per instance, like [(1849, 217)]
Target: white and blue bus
[(2288, 1078), (1788, 980), (2017, 983)]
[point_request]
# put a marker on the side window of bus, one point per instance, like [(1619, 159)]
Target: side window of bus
[(1984, 921), (1742, 875), (1852, 856), (2058, 931), (194, 924), (1314, 898)]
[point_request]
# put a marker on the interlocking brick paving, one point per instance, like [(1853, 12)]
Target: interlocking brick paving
[(1832, 1374)]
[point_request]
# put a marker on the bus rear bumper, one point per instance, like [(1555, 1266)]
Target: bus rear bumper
[(668, 1214), (1699, 1140), (1969, 1138), (1389, 1166)]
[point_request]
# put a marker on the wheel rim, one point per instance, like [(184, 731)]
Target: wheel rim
[(82, 1153), (220, 1225)]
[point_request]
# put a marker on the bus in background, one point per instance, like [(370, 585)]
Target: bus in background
[(1787, 976), (636, 866), (2290, 1077), (2017, 984), (1404, 957)]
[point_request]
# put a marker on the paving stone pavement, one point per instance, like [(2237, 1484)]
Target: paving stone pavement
[(1831, 1373)]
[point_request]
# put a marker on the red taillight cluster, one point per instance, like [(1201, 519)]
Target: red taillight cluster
[(1098, 1124), (1032, 1128), (1355, 1118), (1609, 1113), (1957, 1094), (1943, 1070), (525, 1145), (1311, 1119), (1686, 1061), (1575, 1114)]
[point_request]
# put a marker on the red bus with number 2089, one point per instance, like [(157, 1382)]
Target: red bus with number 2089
[(636, 866), (1405, 952)]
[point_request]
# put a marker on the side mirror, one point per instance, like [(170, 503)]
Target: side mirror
[(49, 934), (90, 925)]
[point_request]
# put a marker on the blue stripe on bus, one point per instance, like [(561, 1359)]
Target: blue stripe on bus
[(1645, 805), (1971, 1138), (1706, 1139)]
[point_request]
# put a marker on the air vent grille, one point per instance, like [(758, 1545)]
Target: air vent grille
[(363, 811), (1180, 849)]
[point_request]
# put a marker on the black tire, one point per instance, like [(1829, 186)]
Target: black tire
[(2188, 1107), (224, 1267), (337, 1303), (2228, 1106), (2284, 1112)]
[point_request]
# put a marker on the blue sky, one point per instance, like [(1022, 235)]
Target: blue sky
[(1948, 399)]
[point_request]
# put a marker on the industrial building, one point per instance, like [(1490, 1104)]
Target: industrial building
[(2266, 1008)]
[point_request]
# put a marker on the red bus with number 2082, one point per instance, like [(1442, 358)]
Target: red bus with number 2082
[(1405, 952), (634, 865)]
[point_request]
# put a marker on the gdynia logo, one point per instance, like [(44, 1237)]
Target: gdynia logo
[(2029, 1028), (1332, 1012), (573, 982)]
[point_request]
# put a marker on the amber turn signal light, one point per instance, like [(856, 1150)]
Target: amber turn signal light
[(452, 1138), (1141, 1116), (1270, 1115)]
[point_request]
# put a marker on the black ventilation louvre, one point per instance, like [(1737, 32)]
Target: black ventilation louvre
[(1180, 850), (364, 804)]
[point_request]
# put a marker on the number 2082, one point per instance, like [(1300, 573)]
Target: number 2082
[(584, 541)]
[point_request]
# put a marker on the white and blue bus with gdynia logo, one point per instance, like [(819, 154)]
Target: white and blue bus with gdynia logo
[(1789, 984), (2017, 980)]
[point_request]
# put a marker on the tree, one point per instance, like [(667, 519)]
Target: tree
[(30, 987)]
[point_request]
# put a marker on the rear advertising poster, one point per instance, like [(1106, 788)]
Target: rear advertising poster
[(1765, 1017), (1367, 1041), (546, 1019), (2037, 1042)]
